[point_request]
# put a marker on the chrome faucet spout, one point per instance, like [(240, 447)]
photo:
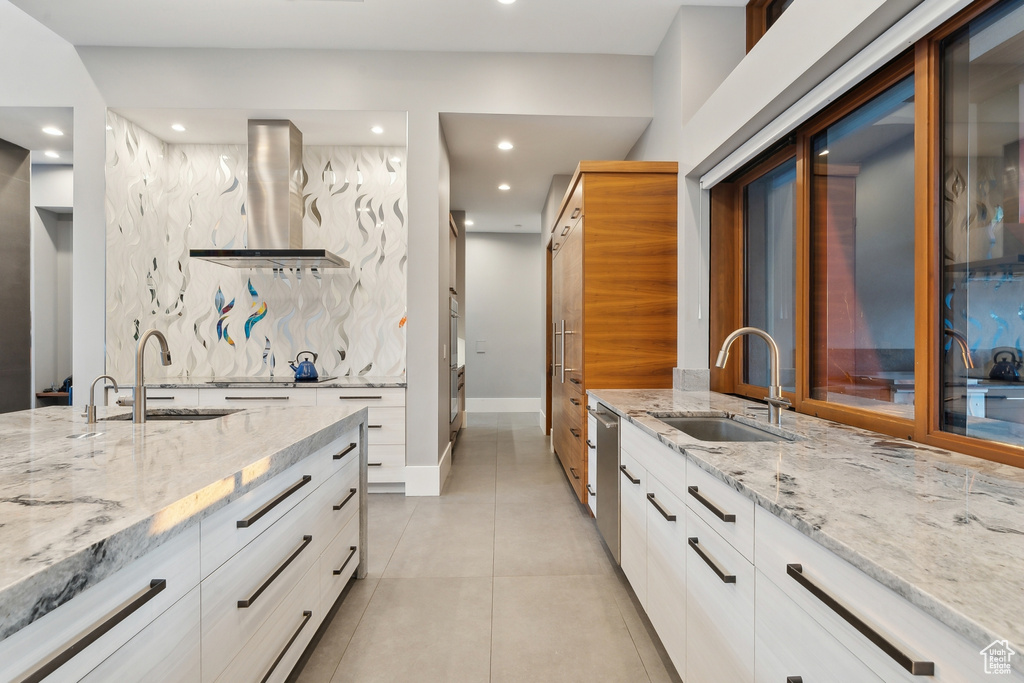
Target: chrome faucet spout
[(90, 410), (139, 404), (774, 399), (965, 350)]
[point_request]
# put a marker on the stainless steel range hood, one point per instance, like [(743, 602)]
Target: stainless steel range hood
[(274, 205)]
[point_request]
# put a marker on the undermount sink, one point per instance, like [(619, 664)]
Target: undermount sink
[(176, 415), (716, 428)]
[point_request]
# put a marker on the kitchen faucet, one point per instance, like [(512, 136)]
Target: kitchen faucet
[(961, 340), (139, 404), (774, 399), (90, 410)]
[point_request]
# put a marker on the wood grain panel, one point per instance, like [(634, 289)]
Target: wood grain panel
[(725, 288)]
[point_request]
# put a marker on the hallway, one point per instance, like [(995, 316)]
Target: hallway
[(502, 578)]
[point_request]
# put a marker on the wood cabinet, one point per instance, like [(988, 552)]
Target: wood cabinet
[(613, 294)]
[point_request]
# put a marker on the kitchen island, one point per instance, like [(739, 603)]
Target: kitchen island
[(924, 544), (82, 506)]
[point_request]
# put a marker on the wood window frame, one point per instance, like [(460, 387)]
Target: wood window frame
[(757, 20)]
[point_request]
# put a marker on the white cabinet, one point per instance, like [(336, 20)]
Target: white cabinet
[(633, 524), (386, 428), (157, 397), (719, 608), (721, 507), (789, 645), (666, 569), (592, 463), (251, 397)]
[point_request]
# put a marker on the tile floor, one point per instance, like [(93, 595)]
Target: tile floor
[(502, 578)]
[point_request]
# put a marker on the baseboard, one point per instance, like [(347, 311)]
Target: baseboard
[(543, 421), (428, 480), (503, 405)]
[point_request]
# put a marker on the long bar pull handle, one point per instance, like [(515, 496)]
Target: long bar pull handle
[(632, 479), (272, 503), (916, 668), (590, 490), (361, 398), (724, 516), (248, 602), (575, 432), (661, 508), (159, 398), (375, 464), (591, 444), (574, 380), (351, 492), (562, 355), (710, 561), (58, 659), (375, 426), (287, 646), (348, 449), (573, 471), (257, 398), (351, 552)]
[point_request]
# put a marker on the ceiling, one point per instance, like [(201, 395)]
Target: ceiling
[(544, 146), (23, 126), (633, 27)]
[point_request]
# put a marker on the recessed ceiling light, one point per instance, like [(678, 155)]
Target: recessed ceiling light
[(506, 2), (52, 154), (50, 130), (504, 187), (469, 223), (505, 145), (178, 127), (377, 130)]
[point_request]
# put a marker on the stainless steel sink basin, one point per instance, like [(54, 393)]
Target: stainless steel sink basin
[(717, 429), (177, 415)]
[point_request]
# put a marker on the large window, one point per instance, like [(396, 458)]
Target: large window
[(981, 307)]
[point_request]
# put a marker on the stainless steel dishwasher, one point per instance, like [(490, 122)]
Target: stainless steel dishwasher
[(608, 477)]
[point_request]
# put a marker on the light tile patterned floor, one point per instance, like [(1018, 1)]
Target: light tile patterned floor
[(503, 578)]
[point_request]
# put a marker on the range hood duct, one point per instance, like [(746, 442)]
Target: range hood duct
[(274, 205)]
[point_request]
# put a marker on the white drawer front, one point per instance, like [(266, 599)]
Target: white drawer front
[(176, 562), (386, 463), (277, 645), (661, 461), (258, 396), (722, 507), (921, 637), (592, 465), (719, 611), (158, 397), (666, 569), (166, 651), (339, 563), (788, 643), (633, 524), (230, 627), (359, 396), (386, 425)]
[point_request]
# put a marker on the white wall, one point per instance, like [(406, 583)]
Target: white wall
[(505, 313)]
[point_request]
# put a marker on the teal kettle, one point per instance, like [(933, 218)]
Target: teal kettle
[(305, 371)]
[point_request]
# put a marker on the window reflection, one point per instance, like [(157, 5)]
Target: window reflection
[(769, 221), (982, 302), (862, 256)]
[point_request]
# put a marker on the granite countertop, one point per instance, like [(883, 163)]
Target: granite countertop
[(284, 381), (79, 501), (942, 529)]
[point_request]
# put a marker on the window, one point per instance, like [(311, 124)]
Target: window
[(761, 14), (981, 307), (862, 256)]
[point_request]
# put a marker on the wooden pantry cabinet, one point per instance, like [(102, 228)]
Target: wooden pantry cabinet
[(612, 282)]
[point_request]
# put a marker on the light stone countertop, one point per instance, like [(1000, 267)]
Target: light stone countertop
[(944, 530), (279, 382), (75, 510)]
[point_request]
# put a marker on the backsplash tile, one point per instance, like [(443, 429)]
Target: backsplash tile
[(164, 199)]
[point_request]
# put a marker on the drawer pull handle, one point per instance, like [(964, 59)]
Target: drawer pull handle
[(58, 659), (591, 491), (351, 492), (574, 475), (159, 398), (574, 380), (710, 561), (916, 668), (374, 464), (306, 616), (271, 504), (632, 479), (575, 432), (574, 401), (257, 398), (351, 552), (361, 398), (565, 231), (661, 508), (794, 679), (306, 540), (591, 444), (724, 516), (575, 213), (375, 426), (348, 449)]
